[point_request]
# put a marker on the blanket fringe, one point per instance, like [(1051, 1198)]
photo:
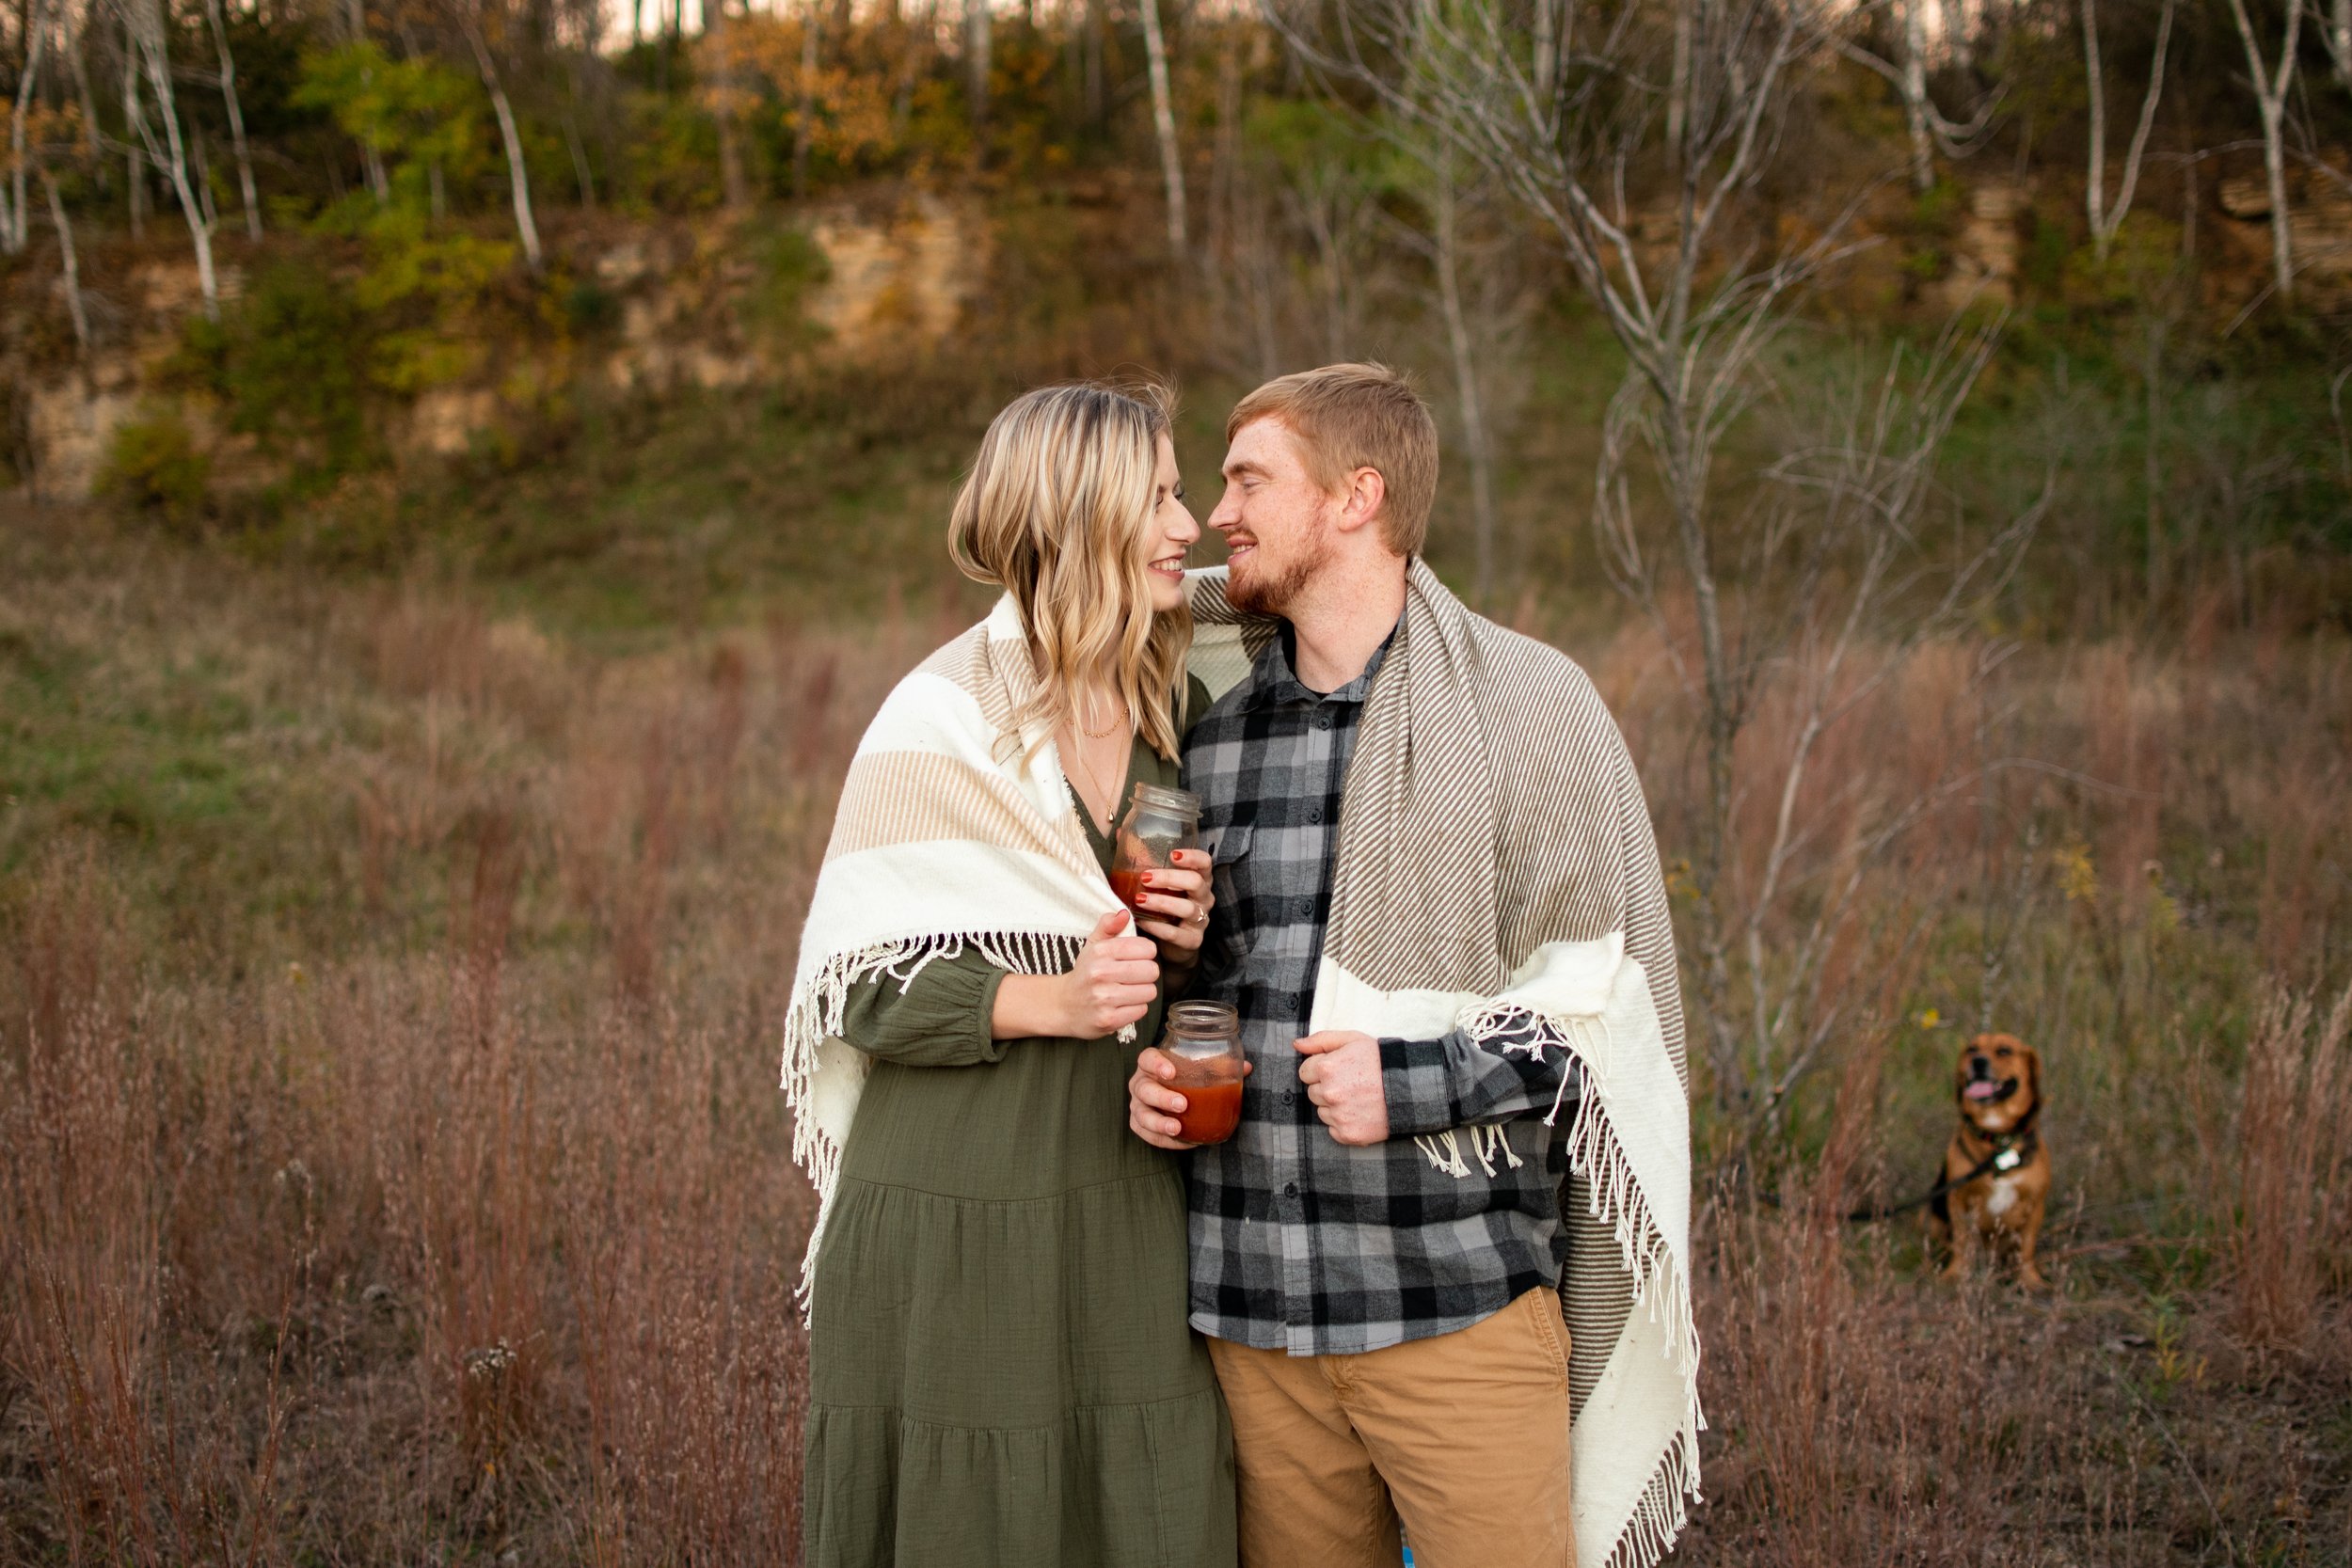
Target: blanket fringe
[(1596, 1153), (820, 998), (1662, 1515)]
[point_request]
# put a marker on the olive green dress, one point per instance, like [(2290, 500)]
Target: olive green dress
[(1001, 1372)]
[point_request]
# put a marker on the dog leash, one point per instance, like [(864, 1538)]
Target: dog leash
[(2003, 1159), (2006, 1156)]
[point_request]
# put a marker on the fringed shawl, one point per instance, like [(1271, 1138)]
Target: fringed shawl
[(1496, 860)]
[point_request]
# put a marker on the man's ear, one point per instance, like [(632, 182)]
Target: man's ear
[(1363, 496)]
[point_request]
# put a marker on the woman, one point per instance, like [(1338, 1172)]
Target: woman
[(1001, 1372)]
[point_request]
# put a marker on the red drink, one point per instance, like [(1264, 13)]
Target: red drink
[(1129, 886), (1211, 1112)]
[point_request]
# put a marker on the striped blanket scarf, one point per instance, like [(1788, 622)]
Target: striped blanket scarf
[(1495, 861)]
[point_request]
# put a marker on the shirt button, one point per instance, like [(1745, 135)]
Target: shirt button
[(1290, 1189), (1314, 814), (1323, 720)]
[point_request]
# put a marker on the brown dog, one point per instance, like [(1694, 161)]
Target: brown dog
[(1998, 1083)]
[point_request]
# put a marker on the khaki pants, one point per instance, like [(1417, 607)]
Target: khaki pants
[(1464, 1435)]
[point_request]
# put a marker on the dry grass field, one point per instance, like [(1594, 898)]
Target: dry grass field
[(393, 1171)]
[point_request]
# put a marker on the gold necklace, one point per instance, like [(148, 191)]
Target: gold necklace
[(1103, 733), (1095, 780)]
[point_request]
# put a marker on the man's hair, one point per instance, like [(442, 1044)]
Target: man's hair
[(1351, 417)]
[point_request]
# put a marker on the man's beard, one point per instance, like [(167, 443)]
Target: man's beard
[(1271, 592)]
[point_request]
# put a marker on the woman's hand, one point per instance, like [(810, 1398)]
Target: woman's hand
[(1112, 984), (1176, 905), (1153, 1104)]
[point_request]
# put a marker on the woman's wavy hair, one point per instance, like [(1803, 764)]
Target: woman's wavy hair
[(1056, 511)]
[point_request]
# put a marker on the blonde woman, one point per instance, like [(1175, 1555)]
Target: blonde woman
[(1001, 1372)]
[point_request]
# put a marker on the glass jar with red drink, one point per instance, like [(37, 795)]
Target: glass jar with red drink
[(1158, 823), (1203, 1039)]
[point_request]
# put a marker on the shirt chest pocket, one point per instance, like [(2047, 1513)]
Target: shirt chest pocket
[(1229, 877)]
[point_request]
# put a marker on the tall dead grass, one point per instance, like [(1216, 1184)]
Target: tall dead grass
[(459, 1221), (2290, 1230)]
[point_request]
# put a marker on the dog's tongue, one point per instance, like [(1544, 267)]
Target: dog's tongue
[(1984, 1089)]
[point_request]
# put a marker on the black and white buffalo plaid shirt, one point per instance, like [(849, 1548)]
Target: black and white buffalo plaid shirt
[(1299, 1244)]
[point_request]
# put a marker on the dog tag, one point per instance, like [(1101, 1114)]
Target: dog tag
[(2008, 1159)]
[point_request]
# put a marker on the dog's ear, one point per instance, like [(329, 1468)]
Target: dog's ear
[(2033, 1072)]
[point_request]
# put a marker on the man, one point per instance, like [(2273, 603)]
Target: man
[(1441, 916)]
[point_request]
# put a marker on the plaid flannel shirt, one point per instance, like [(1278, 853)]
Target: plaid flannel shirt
[(1299, 1244)]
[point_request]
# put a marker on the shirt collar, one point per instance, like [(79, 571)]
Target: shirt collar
[(1275, 683)]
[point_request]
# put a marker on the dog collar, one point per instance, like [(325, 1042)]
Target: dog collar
[(2011, 1148)]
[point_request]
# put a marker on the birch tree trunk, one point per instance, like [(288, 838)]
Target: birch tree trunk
[(72, 264), (90, 148), (976, 58), (732, 189), (804, 103), (1679, 84), (236, 120), (1915, 94), (2105, 223), (1465, 384), (518, 176), (2339, 35), (154, 53), (2270, 98), (134, 138), (15, 228), (1164, 123)]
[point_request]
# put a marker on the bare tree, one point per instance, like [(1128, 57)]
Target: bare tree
[(1164, 123), (13, 230), (152, 40), (68, 261), (1473, 406), (979, 58), (1443, 247), (1679, 265), (2338, 32), (2104, 221), (718, 49), (519, 174), (134, 141), (1931, 128), (237, 119), (1847, 577), (2270, 84)]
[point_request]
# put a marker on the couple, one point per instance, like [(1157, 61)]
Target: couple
[(1430, 889)]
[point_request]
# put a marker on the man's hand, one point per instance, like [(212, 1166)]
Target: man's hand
[(1342, 1077)]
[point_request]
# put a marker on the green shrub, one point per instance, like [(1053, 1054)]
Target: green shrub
[(153, 467)]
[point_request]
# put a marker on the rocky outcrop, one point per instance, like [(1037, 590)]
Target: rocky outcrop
[(685, 317)]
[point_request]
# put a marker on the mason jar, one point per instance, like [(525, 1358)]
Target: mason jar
[(1203, 1039), (1158, 823)]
